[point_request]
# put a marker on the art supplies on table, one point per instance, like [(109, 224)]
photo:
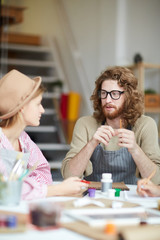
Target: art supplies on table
[(10, 192), (106, 182), (118, 185), (151, 202), (82, 202), (137, 232), (91, 192), (12, 222), (45, 215), (15, 164), (90, 203), (119, 216)]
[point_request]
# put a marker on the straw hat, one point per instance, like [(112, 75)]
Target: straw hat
[(16, 89)]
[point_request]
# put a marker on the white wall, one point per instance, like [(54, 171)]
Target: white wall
[(143, 35), (105, 33)]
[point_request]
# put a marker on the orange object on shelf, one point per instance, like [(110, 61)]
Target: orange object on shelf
[(73, 106)]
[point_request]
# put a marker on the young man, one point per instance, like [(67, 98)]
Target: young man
[(118, 138)]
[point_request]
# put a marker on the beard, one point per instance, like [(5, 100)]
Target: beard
[(116, 113)]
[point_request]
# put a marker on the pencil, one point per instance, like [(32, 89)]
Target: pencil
[(150, 176), (120, 123), (84, 181)]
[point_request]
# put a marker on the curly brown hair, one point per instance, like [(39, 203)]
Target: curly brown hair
[(134, 99)]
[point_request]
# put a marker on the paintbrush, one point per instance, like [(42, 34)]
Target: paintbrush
[(150, 176), (28, 171), (120, 123), (16, 166)]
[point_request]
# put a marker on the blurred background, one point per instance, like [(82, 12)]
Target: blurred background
[(69, 43)]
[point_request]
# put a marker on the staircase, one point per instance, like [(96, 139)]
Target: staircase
[(39, 61)]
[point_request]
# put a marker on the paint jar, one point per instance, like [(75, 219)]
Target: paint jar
[(45, 214), (111, 193), (106, 181), (91, 192), (10, 192), (11, 221)]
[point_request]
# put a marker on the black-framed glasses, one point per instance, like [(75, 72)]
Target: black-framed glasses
[(114, 94)]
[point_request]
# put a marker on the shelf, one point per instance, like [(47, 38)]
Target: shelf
[(141, 67), (144, 65), (152, 110)]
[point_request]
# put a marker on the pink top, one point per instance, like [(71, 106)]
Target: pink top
[(35, 185)]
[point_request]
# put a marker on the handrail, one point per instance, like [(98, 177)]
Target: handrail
[(75, 53)]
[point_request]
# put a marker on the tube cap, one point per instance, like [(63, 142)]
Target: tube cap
[(106, 175), (110, 228), (117, 193)]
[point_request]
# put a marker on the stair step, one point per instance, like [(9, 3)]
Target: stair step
[(55, 164), (47, 119), (42, 129), (23, 47), (47, 101), (19, 38), (49, 111), (44, 134), (53, 146), (32, 63), (46, 79), (51, 95), (54, 153)]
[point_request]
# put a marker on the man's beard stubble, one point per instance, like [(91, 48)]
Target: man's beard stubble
[(116, 113)]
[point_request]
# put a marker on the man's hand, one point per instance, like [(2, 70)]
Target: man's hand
[(127, 139), (104, 134)]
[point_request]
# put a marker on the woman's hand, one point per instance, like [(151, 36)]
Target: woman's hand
[(70, 187), (73, 186), (147, 188)]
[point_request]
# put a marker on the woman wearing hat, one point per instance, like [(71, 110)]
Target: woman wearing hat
[(20, 106)]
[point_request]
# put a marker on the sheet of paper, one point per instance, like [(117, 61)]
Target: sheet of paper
[(149, 202)]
